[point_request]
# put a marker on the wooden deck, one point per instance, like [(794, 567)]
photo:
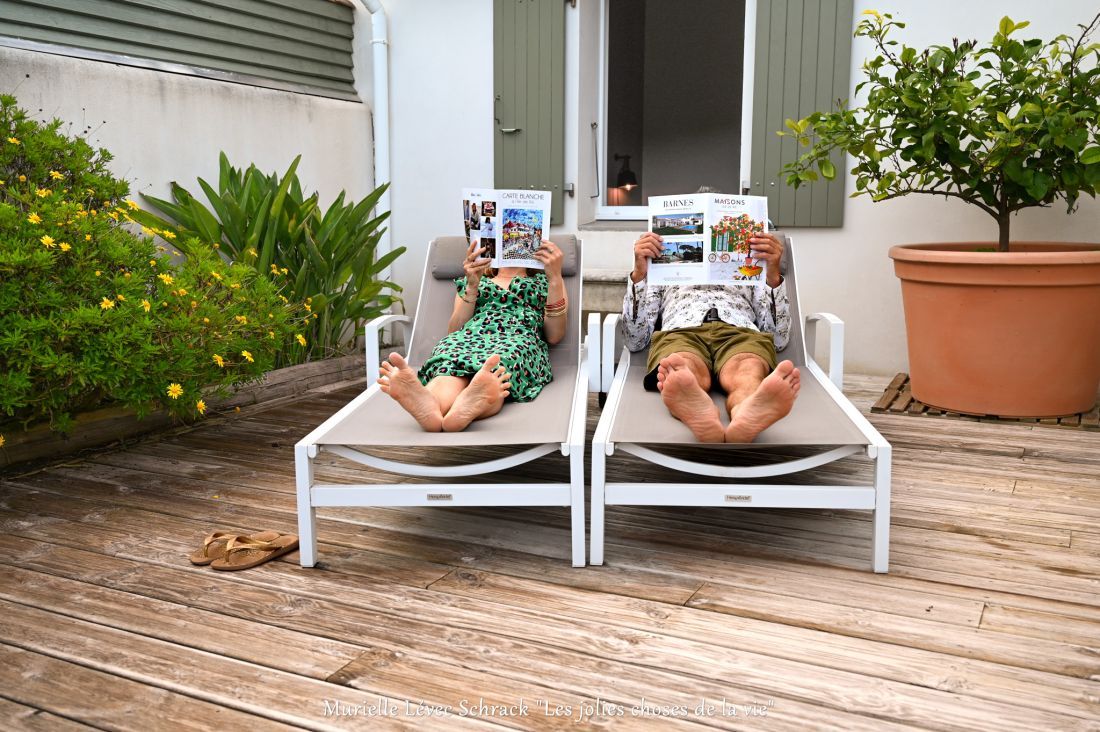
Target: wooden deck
[(988, 620)]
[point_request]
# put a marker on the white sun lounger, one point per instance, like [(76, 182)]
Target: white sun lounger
[(373, 421), (637, 422)]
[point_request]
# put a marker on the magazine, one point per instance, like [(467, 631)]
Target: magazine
[(509, 224), (706, 239)]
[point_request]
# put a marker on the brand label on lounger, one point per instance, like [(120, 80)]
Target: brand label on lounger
[(733, 498), (440, 496)]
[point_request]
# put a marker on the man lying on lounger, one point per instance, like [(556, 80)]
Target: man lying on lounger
[(728, 332)]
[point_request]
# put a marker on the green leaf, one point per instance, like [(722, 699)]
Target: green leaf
[(1090, 155), (827, 169)]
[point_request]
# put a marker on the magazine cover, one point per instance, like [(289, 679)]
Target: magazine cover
[(510, 224), (706, 239)]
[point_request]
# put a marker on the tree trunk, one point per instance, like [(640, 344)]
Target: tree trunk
[(1003, 225)]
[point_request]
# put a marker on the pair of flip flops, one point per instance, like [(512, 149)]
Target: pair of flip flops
[(227, 550)]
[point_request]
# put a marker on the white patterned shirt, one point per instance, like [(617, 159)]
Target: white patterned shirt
[(684, 306)]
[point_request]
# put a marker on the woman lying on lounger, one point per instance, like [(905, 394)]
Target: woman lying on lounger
[(496, 346)]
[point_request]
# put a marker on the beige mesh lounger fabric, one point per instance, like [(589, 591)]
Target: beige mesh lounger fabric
[(555, 420), (637, 422)]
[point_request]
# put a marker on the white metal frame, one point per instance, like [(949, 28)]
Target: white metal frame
[(311, 495), (874, 497)]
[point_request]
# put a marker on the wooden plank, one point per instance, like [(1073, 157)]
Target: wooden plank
[(893, 389), (21, 718), (102, 700), (1018, 621), (465, 648), (225, 635), (841, 690), (1058, 658), (257, 690), (905, 398), (898, 662)]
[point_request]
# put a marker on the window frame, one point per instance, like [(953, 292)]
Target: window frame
[(606, 212)]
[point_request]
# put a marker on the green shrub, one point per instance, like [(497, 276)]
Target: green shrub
[(327, 260), (91, 313)]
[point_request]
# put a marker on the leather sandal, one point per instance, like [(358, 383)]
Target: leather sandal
[(213, 546), (244, 552)]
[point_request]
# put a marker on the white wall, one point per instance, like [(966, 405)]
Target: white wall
[(165, 127), (441, 82)]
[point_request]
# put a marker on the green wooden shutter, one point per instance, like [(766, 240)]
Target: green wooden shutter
[(529, 84), (803, 51), (300, 45)]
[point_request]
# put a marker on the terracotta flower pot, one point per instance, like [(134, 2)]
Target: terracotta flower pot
[(1013, 334)]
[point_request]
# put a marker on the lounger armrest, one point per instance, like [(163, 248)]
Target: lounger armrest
[(595, 354), (372, 331), (612, 338), (836, 344)]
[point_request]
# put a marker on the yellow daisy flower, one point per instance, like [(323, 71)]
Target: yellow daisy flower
[(22, 179), (14, 141), (65, 247), (174, 391), (2, 440), (133, 206), (165, 278), (236, 285), (106, 304), (167, 234), (200, 405), (300, 338), (34, 218), (87, 237), (55, 175), (120, 297), (145, 304), (47, 241), (215, 275), (243, 320), (219, 360), (42, 192), (248, 357)]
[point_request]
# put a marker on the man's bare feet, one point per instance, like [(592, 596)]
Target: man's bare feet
[(482, 398), (688, 402), (771, 402), (399, 381)]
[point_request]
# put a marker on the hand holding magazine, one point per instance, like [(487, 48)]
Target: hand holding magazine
[(706, 239), (510, 224)]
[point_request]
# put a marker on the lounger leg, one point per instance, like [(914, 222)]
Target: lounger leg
[(307, 518), (576, 502), (595, 528), (881, 530)]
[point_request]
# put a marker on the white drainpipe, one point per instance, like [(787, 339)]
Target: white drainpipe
[(381, 108)]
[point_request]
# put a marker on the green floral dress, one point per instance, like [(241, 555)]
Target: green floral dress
[(507, 322)]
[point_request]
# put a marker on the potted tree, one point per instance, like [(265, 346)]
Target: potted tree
[(1006, 328)]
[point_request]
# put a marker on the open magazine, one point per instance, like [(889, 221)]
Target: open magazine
[(509, 224), (706, 239)]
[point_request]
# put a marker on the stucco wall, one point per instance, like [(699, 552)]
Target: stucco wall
[(163, 127)]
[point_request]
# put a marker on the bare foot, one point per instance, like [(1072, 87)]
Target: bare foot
[(399, 381), (482, 398), (667, 365), (771, 402), (688, 403)]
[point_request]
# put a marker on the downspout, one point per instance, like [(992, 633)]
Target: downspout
[(381, 108)]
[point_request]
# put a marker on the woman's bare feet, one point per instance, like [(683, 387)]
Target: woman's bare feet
[(771, 402), (399, 381), (688, 401), (482, 398)]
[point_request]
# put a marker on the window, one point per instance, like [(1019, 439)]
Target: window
[(693, 94), (673, 108)]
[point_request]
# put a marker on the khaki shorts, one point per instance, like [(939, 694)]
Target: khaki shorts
[(714, 343)]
